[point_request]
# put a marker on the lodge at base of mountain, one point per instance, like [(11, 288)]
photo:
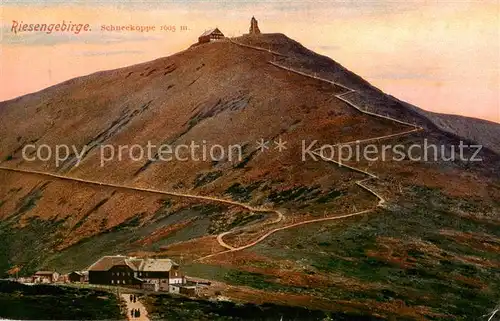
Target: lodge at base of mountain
[(148, 274)]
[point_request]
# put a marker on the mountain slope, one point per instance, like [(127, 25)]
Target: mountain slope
[(223, 93), (470, 129), (479, 131)]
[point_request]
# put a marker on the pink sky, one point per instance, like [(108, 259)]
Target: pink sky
[(440, 56)]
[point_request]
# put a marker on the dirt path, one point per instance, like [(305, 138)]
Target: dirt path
[(140, 189), (280, 215), (134, 306), (257, 48), (220, 237), (263, 237)]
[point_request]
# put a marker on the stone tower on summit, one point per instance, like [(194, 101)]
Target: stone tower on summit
[(254, 27)]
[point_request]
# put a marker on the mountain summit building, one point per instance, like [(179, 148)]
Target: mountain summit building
[(254, 27), (215, 33), (211, 35)]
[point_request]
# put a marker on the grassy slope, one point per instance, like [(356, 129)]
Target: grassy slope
[(432, 251), (31, 246), (166, 307)]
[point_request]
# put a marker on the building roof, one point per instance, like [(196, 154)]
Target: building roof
[(107, 262), (80, 273), (44, 272), (210, 31), (157, 265), (136, 263)]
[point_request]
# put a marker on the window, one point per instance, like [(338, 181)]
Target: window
[(112, 281), (124, 282), (112, 273)]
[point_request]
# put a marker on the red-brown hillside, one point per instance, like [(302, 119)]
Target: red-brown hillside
[(220, 93)]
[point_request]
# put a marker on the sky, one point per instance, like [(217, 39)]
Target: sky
[(442, 56)]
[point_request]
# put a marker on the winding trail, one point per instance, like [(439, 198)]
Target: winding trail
[(279, 214), (341, 97), (415, 128), (220, 237), (263, 237), (140, 189)]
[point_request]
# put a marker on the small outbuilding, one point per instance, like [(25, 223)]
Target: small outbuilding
[(77, 277), (151, 286), (45, 277), (189, 290), (211, 35)]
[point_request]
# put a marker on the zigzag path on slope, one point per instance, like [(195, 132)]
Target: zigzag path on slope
[(359, 183), (339, 96), (263, 237)]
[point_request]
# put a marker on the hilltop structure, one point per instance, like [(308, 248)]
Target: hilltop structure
[(215, 33), (210, 35), (254, 27)]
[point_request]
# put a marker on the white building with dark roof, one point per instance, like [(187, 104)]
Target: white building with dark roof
[(211, 35), (151, 274)]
